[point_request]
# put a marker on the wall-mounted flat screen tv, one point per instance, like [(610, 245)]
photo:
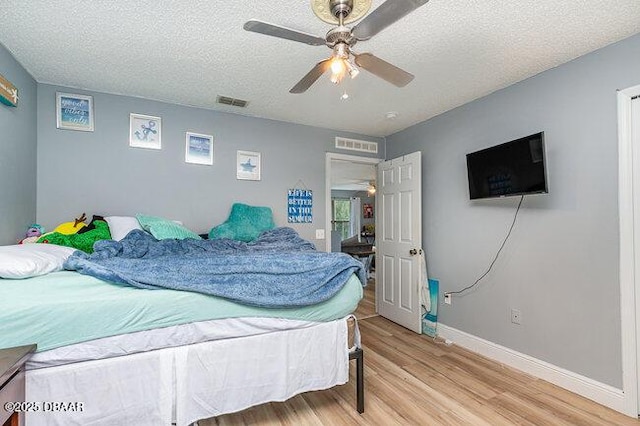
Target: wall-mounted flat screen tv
[(512, 168)]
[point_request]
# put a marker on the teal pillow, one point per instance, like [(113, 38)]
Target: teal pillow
[(245, 223), (163, 229)]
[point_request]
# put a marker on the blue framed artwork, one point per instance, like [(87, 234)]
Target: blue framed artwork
[(248, 165), (299, 206), (74, 112), (145, 131), (199, 149)]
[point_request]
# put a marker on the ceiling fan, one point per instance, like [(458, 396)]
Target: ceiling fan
[(341, 39)]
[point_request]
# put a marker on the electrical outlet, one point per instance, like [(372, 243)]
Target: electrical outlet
[(447, 298), (516, 316), (319, 234)]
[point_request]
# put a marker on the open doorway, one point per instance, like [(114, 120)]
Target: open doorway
[(351, 215)]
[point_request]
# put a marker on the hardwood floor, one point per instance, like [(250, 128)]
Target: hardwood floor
[(412, 380), (367, 306)]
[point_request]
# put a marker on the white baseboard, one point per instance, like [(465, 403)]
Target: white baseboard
[(599, 392)]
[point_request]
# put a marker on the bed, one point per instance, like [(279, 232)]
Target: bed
[(159, 357)]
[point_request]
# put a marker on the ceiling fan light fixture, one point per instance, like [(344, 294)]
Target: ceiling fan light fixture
[(341, 64), (336, 77), (338, 66), (351, 68), (338, 69)]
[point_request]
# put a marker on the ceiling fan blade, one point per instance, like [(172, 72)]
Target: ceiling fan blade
[(283, 32), (383, 69), (386, 14), (311, 76)]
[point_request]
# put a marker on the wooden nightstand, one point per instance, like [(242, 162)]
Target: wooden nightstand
[(12, 362)]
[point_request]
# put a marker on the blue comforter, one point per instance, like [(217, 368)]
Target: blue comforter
[(279, 269)]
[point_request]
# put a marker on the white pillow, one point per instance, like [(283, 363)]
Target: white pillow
[(30, 260), (120, 226)]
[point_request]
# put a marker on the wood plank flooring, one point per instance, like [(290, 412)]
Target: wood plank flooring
[(367, 306), (412, 380)]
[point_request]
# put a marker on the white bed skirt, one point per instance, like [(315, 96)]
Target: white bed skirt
[(161, 338), (184, 384)]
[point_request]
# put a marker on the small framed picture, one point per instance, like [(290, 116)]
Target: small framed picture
[(199, 149), (367, 211), (145, 131), (74, 112), (248, 165)]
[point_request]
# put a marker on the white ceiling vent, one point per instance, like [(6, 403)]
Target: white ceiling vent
[(225, 100), (357, 145)]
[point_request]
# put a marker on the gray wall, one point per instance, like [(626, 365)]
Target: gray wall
[(18, 145), (560, 266), (98, 173)]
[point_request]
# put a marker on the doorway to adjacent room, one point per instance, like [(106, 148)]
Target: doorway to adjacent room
[(351, 215)]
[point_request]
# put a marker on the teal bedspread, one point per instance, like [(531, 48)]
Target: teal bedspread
[(65, 307)]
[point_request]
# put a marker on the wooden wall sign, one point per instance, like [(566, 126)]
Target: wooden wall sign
[(8, 92)]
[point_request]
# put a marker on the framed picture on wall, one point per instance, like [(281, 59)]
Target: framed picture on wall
[(199, 149), (145, 131), (74, 112), (248, 165), (367, 211)]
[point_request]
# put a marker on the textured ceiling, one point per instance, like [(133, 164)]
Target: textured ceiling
[(187, 52)]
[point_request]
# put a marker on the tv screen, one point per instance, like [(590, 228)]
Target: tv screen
[(512, 168)]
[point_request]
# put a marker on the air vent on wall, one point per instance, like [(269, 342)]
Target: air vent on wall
[(357, 145), (225, 100)]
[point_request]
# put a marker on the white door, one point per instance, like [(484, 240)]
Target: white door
[(399, 240)]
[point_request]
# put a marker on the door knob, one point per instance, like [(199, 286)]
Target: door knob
[(413, 252)]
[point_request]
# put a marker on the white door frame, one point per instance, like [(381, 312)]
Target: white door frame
[(629, 246), (327, 185)]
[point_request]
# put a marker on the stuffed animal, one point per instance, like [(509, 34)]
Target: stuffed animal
[(34, 231), (80, 240), (70, 228)]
